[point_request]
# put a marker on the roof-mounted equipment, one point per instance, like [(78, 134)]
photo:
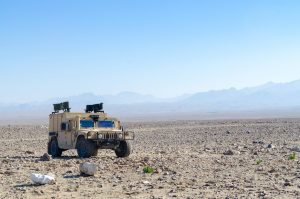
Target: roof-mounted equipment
[(96, 108), (64, 106)]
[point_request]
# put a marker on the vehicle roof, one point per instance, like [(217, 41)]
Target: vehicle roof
[(102, 115)]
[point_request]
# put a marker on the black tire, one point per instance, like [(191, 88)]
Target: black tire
[(53, 149), (123, 149), (95, 153), (86, 148)]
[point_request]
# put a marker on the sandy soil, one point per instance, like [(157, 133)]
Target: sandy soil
[(188, 158)]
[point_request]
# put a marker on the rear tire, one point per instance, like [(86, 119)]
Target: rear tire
[(86, 148), (53, 149), (123, 149)]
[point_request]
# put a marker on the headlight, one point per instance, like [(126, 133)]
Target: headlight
[(100, 136), (120, 136)]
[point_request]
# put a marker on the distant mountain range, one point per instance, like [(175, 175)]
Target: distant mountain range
[(270, 97)]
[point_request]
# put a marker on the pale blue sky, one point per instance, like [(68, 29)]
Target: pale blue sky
[(160, 47)]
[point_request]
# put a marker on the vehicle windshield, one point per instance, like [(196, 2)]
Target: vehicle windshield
[(85, 124), (106, 124)]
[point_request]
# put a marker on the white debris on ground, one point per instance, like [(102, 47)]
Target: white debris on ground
[(146, 182), (271, 146), (42, 179), (46, 157)]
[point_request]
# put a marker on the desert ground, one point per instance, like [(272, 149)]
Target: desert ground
[(191, 159)]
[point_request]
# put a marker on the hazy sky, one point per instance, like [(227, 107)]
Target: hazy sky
[(164, 47)]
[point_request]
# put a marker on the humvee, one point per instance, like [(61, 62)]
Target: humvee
[(87, 132)]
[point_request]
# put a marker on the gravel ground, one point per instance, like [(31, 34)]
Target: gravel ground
[(191, 159)]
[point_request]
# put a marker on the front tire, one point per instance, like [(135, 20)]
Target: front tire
[(95, 153), (54, 150), (123, 149), (86, 148)]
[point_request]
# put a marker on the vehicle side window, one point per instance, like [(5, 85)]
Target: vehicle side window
[(86, 124), (106, 124), (64, 126)]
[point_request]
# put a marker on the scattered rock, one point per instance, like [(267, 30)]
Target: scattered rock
[(287, 183), (37, 192), (9, 173), (295, 148), (88, 168), (146, 159), (258, 142), (46, 157), (21, 189), (261, 194), (231, 152), (210, 182), (272, 170), (146, 182), (271, 146), (29, 152), (260, 169)]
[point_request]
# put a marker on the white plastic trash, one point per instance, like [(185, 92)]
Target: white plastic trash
[(42, 179)]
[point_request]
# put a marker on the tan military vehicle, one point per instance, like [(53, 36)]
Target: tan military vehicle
[(87, 132)]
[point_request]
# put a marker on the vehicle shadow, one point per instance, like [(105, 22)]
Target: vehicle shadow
[(77, 176), (73, 176), (20, 157), (67, 157), (39, 157), (76, 157)]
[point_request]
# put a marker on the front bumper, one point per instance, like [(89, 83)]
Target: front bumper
[(111, 140), (123, 135)]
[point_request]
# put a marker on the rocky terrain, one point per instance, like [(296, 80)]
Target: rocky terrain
[(191, 159)]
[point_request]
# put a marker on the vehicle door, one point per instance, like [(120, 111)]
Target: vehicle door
[(68, 134)]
